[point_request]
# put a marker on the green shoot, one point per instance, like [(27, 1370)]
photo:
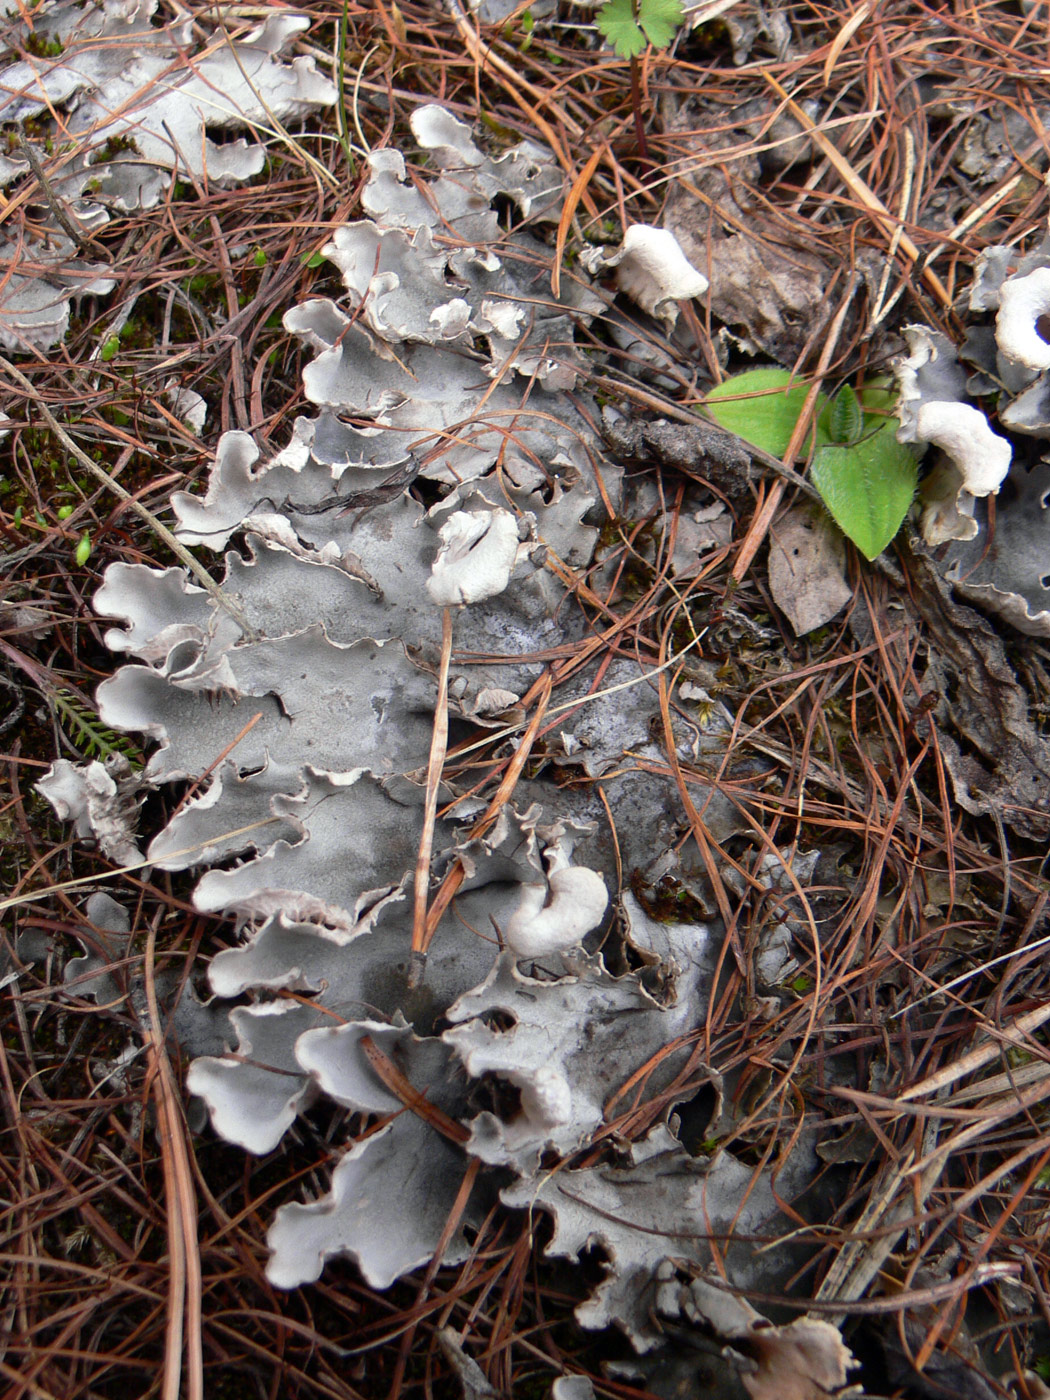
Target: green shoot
[(864, 476), (630, 25), (87, 732)]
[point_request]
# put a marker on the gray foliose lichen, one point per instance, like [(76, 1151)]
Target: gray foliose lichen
[(449, 463)]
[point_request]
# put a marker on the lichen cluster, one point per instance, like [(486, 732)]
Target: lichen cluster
[(301, 700), (946, 394)]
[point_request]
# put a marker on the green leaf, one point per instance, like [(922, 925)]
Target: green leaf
[(762, 406), (110, 348), (660, 20), (82, 553), (617, 23), (629, 28), (311, 260), (845, 418), (259, 257), (867, 485), (83, 725)]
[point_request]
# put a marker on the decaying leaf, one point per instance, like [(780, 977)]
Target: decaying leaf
[(803, 1360), (780, 872), (773, 295), (807, 564)]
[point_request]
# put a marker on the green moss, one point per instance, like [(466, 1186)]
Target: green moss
[(115, 146), (39, 47)]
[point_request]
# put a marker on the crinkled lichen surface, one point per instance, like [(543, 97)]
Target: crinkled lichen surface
[(447, 476), (105, 104), (946, 394)]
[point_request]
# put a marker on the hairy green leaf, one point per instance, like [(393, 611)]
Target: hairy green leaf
[(865, 477), (845, 417), (660, 20), (867, 485), (617, 23), (762, 406)]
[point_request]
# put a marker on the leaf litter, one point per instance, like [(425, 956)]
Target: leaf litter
[(323, 956)]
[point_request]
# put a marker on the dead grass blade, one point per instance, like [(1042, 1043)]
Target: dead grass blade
[(438, 747), (185, 1288), (863, 192), (572, 201)]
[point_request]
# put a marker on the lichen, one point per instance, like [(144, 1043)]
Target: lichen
[(305, 716)]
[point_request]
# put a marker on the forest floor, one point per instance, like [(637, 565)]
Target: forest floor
[(919, 141)]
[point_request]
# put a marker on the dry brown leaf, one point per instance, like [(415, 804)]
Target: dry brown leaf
[(773, 294), (1002, 765), (806, 1360), (807, 564)]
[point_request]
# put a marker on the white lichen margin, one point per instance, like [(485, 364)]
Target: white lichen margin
[(1022, 300)]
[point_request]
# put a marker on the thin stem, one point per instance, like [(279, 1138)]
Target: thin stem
[(636, 107)]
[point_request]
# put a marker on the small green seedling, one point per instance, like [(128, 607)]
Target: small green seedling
[(527, 24), (865, 477), (631, 25), (64, 512), (82, 553), (110, 348)]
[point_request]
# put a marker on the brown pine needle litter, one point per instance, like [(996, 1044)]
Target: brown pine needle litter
[(131, 1243)]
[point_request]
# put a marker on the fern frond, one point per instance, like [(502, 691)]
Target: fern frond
[(86, 731)]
